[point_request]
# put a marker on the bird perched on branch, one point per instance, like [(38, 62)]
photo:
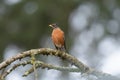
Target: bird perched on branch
[(58, 37)]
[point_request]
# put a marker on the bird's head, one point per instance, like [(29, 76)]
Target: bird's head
[(54, 25)]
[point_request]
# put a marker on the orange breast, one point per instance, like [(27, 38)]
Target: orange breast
[(58, 37)]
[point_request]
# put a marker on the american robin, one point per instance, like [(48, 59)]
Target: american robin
[(58, 37)]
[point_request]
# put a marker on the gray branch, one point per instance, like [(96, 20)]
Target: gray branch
[(86, 72)]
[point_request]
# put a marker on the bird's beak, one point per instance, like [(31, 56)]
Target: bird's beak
[(51, 26)]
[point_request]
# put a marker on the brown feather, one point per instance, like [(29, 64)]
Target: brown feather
[(58, 38)]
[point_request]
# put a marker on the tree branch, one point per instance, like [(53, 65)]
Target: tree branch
[(40, 64), (46, 51), (89, 73), (13, 68)]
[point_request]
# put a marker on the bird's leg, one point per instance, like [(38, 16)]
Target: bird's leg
[(56, 47)]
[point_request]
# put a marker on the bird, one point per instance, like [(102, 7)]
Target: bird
[(58, 37)]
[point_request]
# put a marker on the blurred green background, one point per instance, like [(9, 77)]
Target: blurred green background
[(25, 22), (92, 28)]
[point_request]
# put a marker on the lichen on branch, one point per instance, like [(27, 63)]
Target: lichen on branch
[(80, 67)]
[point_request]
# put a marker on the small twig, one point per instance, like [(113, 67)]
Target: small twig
[(1, 75), (40, 64), (33, 62), (14, 67)]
